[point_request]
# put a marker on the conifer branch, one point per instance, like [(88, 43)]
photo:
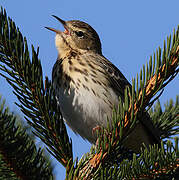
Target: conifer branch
[(37, 102), (18, 153), (167, 121), (152, 163)]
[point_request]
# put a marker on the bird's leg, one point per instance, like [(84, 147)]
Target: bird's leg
[(95, 130), (98, 129)]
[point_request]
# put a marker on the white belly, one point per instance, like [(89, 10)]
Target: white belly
[(84, 111)]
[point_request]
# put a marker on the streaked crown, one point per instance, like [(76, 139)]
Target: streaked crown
[(78, 35)]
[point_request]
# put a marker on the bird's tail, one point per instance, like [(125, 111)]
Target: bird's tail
[(143, 132)]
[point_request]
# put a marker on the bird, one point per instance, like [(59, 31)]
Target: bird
[(88, 86)]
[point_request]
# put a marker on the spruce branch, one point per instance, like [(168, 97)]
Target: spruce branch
[(153, 78), (19, 157), (152, 163), (36, 99), (167, 121)]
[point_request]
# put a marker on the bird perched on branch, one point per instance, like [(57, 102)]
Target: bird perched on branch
[(88, 86)]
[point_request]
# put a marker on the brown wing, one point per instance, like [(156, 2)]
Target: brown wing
[(146, 129), (117, 80)]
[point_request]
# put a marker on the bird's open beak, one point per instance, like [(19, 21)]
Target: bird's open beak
[(54, 30), (58, 31)]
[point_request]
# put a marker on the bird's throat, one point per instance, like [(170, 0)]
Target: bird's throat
[(62, 46)]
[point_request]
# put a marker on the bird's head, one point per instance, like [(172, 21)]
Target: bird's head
[(78, 36)]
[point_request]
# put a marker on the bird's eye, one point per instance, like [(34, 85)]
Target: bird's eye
[(79, 33)]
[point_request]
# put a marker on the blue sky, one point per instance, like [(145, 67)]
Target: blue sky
[(130, 32)]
